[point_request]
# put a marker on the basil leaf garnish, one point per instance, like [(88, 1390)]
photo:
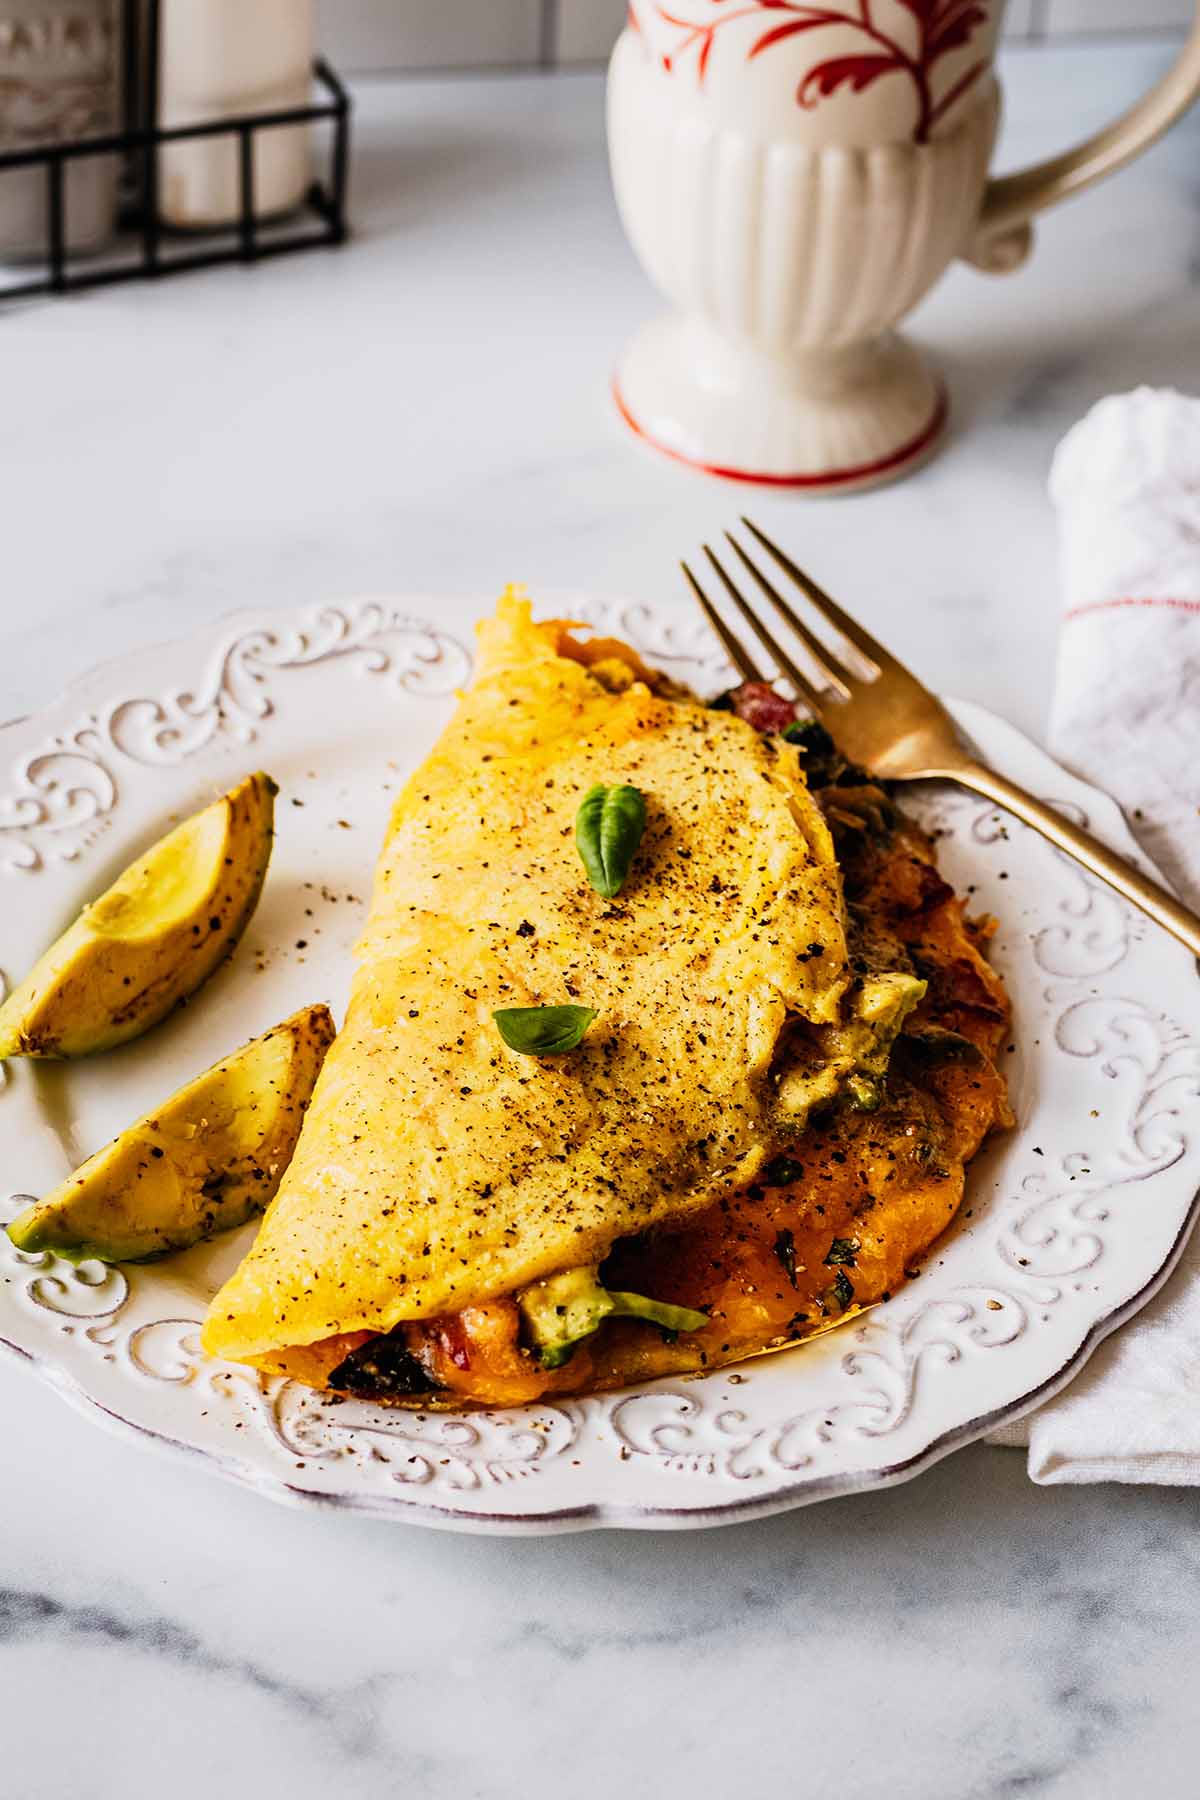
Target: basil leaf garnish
[(543, 1030), (608, 830), (842, 1292), (864, 1092), (842, 1251)]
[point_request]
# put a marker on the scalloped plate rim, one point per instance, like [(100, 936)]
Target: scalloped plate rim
[(600, 1515), (592, 1514)]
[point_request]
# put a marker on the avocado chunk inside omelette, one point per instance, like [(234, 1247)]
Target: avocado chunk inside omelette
[(465, 1223)]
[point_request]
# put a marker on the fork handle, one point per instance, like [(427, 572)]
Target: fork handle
[(1153, 899)]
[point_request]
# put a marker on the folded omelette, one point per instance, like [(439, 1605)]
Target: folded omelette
[(467, 1221)]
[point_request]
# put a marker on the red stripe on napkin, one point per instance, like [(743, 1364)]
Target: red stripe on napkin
[(1094, 606)]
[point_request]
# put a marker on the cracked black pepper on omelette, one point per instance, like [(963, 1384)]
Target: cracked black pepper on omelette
[(723, 993)]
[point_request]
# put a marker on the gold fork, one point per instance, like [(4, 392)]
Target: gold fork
[(882, 718)]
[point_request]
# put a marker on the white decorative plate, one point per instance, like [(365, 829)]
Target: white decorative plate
[(1071, 1222)]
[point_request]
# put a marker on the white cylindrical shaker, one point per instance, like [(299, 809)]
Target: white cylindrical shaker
[(224, 59)]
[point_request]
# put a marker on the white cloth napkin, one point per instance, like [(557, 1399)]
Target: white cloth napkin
[(1126, 483)]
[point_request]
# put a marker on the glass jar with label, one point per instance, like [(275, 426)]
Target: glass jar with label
[(59, 82)]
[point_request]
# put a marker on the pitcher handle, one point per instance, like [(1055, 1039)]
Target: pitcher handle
[(1002, 237)]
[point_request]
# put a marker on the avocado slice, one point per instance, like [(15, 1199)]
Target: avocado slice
[(852, 1058), (205, 1161), (564, 1309), (152, 937)]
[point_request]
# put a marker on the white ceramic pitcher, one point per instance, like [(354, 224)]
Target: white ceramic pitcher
[(794, 177)]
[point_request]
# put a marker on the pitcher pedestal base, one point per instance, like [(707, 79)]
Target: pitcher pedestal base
[(828, 422)]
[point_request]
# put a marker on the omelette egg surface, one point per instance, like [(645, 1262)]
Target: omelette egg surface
[(438, 1168)]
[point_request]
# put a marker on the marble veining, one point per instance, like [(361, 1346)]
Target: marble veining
[(968, 1637), (347, 1716), (999, 1640)]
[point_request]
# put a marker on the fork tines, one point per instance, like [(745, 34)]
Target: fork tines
[(828, 677)]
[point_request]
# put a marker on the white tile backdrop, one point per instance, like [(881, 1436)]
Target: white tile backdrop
[(381, 35)]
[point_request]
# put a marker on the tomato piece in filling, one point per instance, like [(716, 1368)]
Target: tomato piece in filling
[(478, 1353)]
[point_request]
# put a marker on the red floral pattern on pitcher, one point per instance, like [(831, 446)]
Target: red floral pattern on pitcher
[(941, 26)]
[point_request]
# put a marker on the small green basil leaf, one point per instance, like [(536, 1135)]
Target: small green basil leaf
[(841, 1293), (543, 1030), (843, 1251), (864, 1092), (933, 1045), (785, 1250), (782, 1171), (608, 830)]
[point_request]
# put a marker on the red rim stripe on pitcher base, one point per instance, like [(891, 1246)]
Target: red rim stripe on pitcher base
[(832, 478)]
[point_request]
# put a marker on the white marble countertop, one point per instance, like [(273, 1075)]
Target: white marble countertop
[(427, 409)]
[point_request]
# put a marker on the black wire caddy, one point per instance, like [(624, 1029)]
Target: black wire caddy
[(138, 144)]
